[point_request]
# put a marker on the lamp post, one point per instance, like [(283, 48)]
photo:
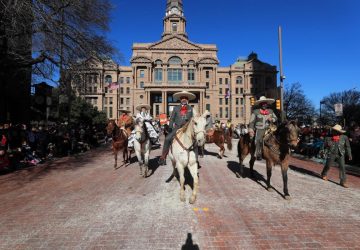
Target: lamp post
[(321, 103)]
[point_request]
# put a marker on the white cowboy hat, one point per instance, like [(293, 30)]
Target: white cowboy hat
[(264, 99), (146, 106), (338, 128), (124, 111), (189, 95)]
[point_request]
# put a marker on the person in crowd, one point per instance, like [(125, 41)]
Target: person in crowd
[(354, 137), (179, 117), (338, 146), (260, 121)]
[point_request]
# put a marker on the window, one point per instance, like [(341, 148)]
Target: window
[(220, 101), (158, 62), (142, 85), (191, 63), (158, 75), (127, 90), (237, 91), (175, 60), (174, 26), (242, 112), (95, 79), (226, 101), (121, 90), (191, 75), (174, 75), (142, 73), (110, 112), (127, 79), (127, 101), (242, 101), (220, 80), (237, 101), (157, 109), (207, 85), (239, 80), (220, 91), (207, 74), (106, 89), (111, 100), (226, 81), (121, 80), (242, 90), (208, 107), (108, 79), (237, 112), (226, 112), (251, 80), (95, 101), (221, 112), (121, 101), (106, 100)]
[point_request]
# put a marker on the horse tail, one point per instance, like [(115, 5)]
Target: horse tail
[(228, 141)]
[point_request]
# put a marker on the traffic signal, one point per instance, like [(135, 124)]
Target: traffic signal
[(252, 101), (278, 104)]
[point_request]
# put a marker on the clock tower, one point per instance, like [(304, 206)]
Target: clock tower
[(174, 21)]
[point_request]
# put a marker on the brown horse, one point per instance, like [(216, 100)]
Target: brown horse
[(119, 141), (219, 137), (276, 151)]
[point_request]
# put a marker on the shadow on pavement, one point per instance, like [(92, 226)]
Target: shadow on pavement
[(256, 177), (189, 244)]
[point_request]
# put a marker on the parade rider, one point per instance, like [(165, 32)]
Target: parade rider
[(144, 116), (126, 121), (260, 121), (179, 117), (337, 146)]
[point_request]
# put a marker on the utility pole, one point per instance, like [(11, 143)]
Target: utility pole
[(282, 77)]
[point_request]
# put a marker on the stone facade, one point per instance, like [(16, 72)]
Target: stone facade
[(160, 69)]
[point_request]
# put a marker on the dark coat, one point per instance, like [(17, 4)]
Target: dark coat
[(338, 148), (177, 120)]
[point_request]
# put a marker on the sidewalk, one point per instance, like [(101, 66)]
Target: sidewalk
[(350, 169)]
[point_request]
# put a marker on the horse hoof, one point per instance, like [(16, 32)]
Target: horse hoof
[(192, 200), (287, 197)]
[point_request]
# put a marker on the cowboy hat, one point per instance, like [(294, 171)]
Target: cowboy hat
[(338, 128), (189, 95), (264, 99), (146, 106), (124, 111)]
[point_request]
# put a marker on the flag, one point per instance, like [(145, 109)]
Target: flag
[(227, 94), (113, 86)]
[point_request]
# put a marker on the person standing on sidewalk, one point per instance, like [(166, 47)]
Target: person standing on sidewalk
[(337, 146)]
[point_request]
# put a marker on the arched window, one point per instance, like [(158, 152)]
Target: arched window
[(239, 80), (108, 79), (191, 63), (175, 60), (158, 62)]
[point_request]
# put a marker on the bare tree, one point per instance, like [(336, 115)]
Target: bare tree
[(351, 107), (296, 104)]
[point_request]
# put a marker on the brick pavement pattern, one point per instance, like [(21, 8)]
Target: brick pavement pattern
[(83, 203)]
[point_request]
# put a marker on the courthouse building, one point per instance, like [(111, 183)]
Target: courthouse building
[(160, 69)]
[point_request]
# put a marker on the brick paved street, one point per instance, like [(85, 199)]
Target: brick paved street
[(83, 203)]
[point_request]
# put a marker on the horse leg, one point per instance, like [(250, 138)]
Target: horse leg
[(268, 172), (146, 159), (139, 157), (284, 169), (194, 170), (180, 169), (115, 156), (251, 164)]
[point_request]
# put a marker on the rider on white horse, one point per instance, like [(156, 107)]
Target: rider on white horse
[(144, 116)]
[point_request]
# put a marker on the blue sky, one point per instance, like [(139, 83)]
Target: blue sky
[(321, 38)]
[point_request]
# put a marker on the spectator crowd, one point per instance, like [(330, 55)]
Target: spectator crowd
[(22, 145)]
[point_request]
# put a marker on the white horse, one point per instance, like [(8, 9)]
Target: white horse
[(142, 146), (183, 151)]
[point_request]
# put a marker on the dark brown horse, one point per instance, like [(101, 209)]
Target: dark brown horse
[(276, 151), (219, 137), (119, 141)]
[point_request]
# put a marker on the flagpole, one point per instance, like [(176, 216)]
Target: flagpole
[(282, 77)]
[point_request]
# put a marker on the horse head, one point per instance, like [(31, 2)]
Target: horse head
[(110, 127), (140, 130), (289, 131), (199, 127)]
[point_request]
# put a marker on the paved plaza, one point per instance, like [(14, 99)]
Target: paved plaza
[(83, 203)]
